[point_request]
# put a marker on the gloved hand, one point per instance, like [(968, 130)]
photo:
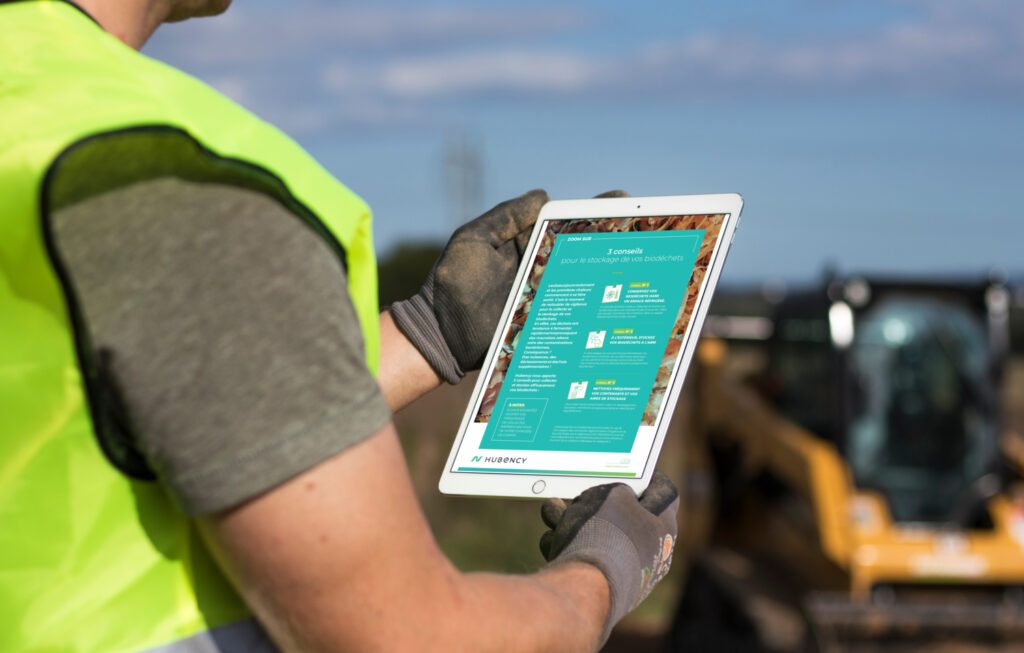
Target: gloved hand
[(630, 540), (451, 321)]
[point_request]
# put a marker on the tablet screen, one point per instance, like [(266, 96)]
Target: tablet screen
[(591, 348)]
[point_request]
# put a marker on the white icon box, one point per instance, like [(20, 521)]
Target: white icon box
[(595, 340), (578, 390), (612, 294)]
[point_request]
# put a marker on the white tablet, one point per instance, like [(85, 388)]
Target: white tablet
[(584, 371)]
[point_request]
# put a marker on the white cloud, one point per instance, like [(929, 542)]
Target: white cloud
[(269, 33), (317, 66), (508, 71), (948, 48), (951, 46)]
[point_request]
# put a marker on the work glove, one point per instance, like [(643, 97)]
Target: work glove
[(630, 540), (452, 319)]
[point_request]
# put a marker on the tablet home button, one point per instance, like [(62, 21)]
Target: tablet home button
[(539, 486)]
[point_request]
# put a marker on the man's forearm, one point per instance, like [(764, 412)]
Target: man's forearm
[(561, 608), (404, 375), (340, 558)]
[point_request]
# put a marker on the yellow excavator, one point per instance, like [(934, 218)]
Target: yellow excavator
[(860, 491)]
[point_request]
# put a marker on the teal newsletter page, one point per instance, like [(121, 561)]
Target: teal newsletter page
[(586, 360)]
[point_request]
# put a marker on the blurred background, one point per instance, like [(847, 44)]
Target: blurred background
[(847, 444)]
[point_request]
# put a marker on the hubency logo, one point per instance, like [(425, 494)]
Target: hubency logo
[(519, 460)]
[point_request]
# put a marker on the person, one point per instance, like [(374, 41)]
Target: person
[(196, 447)]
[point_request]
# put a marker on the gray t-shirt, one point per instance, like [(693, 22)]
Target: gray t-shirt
[(230, 333)]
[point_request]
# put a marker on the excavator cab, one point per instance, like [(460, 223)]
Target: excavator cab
[(862, 491)]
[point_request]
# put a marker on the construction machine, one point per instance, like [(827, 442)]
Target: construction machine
[(859, 491)]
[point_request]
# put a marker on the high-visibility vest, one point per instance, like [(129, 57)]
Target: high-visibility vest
[(93, 557)]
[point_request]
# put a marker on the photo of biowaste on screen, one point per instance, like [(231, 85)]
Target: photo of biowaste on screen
[(591, 347)]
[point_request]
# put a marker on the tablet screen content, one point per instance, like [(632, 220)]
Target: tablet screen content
[(592, 347)]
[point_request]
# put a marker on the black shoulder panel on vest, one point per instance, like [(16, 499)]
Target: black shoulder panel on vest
[(104, 162)]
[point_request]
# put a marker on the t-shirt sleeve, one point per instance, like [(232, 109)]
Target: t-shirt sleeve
[(227, 324)]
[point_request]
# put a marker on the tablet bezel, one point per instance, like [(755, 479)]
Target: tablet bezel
[(517, 485)]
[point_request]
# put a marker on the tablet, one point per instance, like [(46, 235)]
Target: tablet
[(583, 374)]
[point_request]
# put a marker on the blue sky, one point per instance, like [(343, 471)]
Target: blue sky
[(878, 135)]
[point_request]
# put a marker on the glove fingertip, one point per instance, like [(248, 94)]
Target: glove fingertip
[(660, 494), (552, 511)]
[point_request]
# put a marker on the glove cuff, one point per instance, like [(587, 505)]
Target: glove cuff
[(415, 318), (604, 545)]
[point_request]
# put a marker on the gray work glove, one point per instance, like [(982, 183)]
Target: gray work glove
[(630, 540), (452, 319)]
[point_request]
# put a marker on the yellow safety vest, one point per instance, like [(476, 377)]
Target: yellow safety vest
[(93, 558)]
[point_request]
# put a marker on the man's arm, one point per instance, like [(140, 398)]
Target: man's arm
[(340, 558), (219, 298)]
